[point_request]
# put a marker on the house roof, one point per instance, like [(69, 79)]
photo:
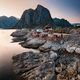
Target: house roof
[(39, 30)]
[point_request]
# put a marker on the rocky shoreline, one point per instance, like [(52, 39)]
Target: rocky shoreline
[(47, 42), (56, 60), (46, 66)]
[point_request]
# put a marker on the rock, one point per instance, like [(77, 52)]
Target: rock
[(38, 17), (71, 49), (19, 39), (28, 35), (46, 66), (77, 50), (55, 46), (19, 33), (46, 47), (72, 69), (34, 66), (53, 55), (25, 59), (78, 77), (33, 43), (78, 70)]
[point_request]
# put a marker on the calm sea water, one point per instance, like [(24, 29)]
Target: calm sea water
[(7, 50)]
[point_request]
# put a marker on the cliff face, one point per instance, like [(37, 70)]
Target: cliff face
[(38, 17)]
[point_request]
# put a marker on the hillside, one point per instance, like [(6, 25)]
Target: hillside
[(7, 22), (61, 22)]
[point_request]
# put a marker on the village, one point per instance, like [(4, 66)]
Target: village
[(47, 33)]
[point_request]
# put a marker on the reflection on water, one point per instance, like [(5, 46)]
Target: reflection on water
[(7, 50)]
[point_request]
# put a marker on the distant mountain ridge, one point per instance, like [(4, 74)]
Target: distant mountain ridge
[(61, 22), (8, 22), (40, 17), (31, 18)]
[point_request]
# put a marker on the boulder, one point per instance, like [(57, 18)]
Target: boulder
[(77, 50), (53, 55), (70, 49), (19, 39), (46, 47), (55, 46), (33, 43), (19, 33)]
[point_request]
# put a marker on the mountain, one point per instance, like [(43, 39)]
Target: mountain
[(7, 22), (38, 17), (62, 22)]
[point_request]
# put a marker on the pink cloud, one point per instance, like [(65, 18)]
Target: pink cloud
[(74, 20)]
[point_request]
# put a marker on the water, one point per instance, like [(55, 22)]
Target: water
[(7, 50)]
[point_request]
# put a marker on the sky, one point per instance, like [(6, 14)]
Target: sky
[(68, 9)]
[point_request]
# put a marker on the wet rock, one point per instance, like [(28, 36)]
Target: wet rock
[(33, 43), (19, 33), (61, 77), (71, 49), (78, 77), (71, 44), (19, 39)]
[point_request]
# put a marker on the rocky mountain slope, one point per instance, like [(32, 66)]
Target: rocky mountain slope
[(38, 17)]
